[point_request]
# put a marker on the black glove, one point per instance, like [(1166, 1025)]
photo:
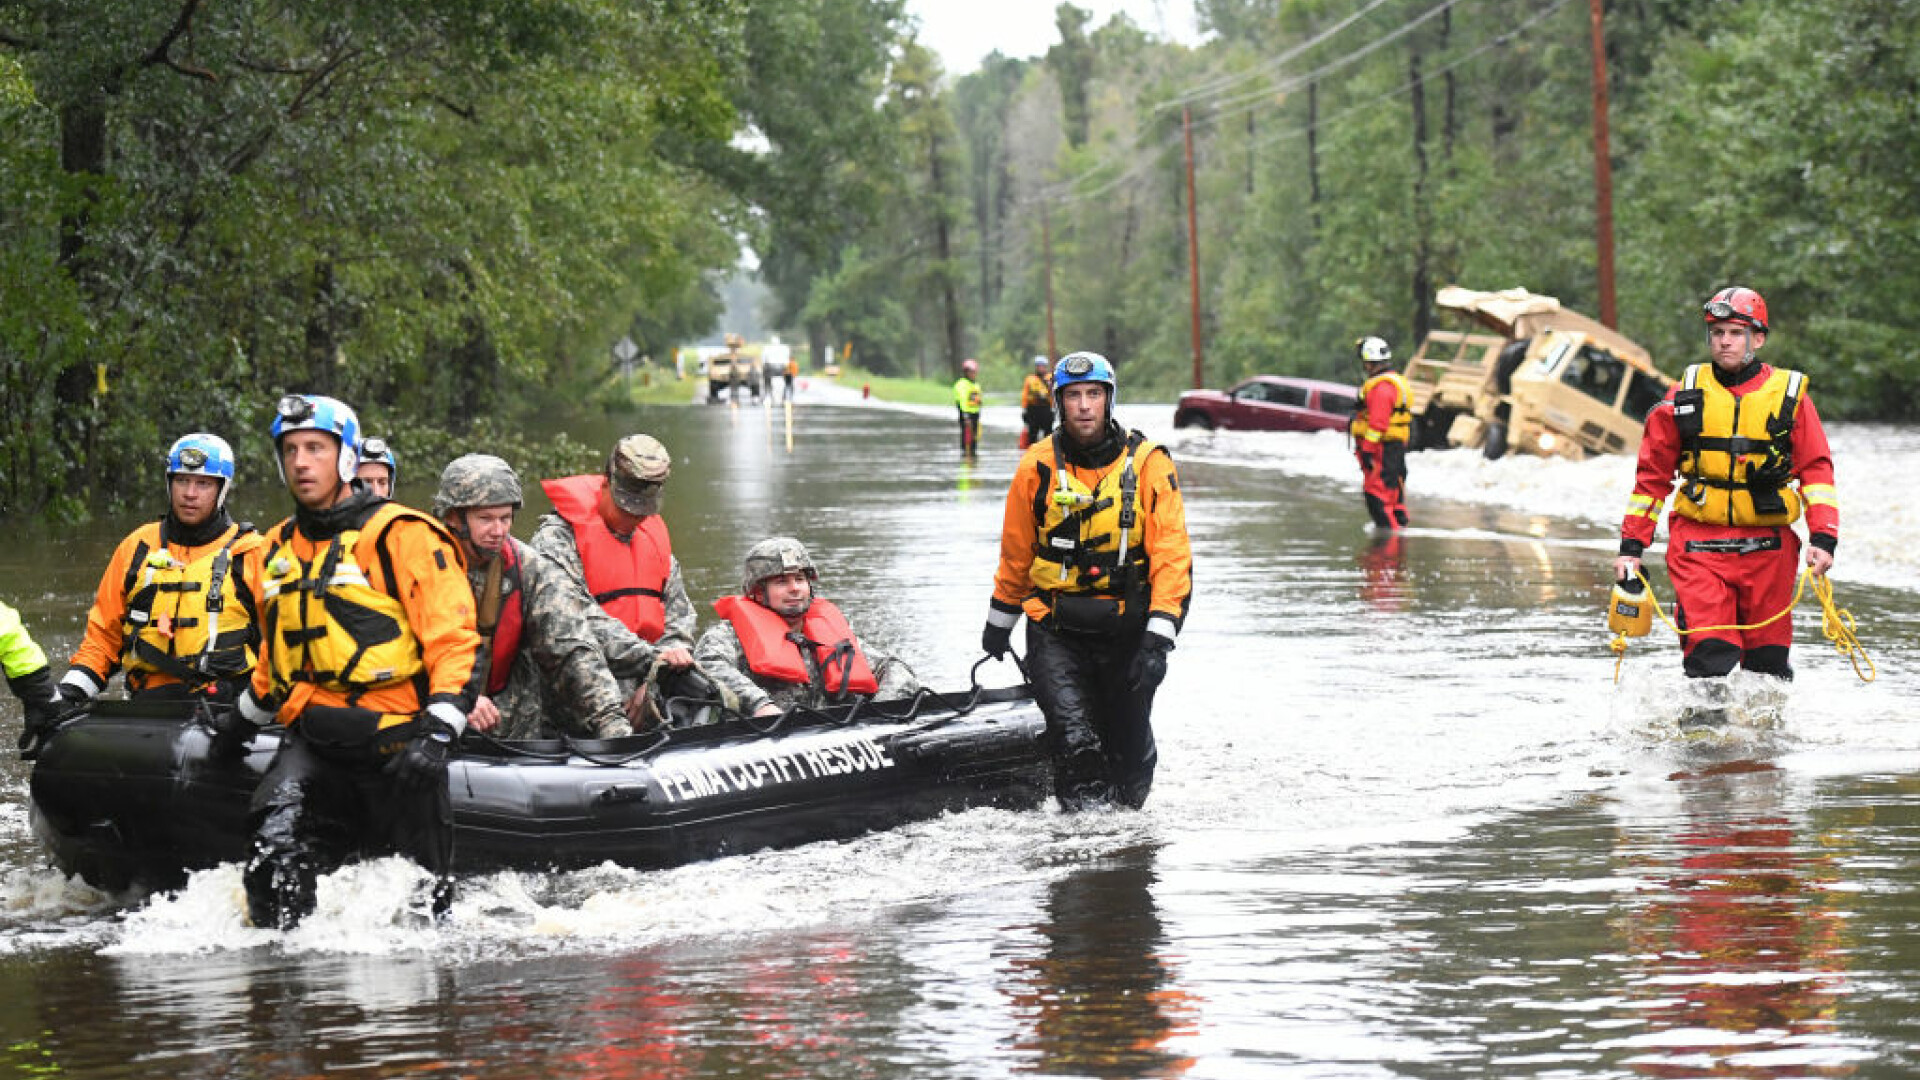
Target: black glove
[(996, 641), (423, 763), (1149, 664), (71, 695), (40, 705)]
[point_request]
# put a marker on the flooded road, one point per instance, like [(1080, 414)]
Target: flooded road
[(1406, 824)]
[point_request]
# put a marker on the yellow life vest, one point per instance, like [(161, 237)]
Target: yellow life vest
[(330, 626), (1092, 540), (1400, 425), (1736, 452), (186, 620), (966, 394)]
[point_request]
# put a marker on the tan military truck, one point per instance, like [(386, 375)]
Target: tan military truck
[(733, 369), (1544, 380)]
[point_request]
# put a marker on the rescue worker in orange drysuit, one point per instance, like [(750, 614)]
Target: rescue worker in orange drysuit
[(1094, 554), (1744, 443)]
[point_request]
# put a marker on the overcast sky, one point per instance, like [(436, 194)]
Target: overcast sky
[(963, 31)]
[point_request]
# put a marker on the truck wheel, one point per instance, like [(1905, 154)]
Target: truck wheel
[(1496, 444)]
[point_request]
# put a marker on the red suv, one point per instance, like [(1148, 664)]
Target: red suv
[(1269, 403)]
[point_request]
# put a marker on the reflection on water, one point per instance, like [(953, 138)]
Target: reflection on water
[(1102, 997), (1736, 934)]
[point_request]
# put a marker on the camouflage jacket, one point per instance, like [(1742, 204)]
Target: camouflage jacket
[(560, 682), (723, 660), (630, 655)]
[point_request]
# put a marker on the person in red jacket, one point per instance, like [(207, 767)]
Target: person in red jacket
[(1382, 420), (1743, 443)]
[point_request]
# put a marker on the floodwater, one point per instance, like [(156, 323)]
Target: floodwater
[(1406, 823)]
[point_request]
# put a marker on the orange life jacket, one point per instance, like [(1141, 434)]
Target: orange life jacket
[(628, 579), (506, 634), (773, 655)]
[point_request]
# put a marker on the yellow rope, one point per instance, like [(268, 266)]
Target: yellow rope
[(1835, 622)]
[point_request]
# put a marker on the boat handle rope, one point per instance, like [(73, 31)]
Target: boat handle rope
[(663, 737), (1836, 623)]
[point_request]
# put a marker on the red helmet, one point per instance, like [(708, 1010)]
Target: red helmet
[(1738, 303), (968, 367)]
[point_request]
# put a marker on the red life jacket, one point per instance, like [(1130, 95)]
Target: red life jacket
[(506, 635), (628, 579), (773, 655)]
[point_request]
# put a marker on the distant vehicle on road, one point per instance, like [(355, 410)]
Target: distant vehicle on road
[(1269, 403)]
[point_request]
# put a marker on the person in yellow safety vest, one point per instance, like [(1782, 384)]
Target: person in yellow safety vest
[(1036, 402), (177, 607), (966, 398), (31, 680), (367, 649), (1094, 554), (754, 655), (1738, 446), (1382, 420)]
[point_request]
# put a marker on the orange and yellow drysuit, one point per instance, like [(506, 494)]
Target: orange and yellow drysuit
[(1749, 458), (378, 620), (151, 616), (1094, 553)]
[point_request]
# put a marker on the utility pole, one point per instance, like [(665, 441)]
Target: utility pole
[(1046, 248), (1602, 171), (1193, 245)]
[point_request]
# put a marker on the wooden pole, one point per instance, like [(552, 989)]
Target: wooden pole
[(1602, 171), (1193, 248)]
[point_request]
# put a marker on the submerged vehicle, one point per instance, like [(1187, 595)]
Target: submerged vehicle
[(1546, 381), (134, 796)]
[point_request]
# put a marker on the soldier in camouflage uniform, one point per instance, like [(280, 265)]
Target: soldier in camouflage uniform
[(614, 518), (545, 675), (753, 654)]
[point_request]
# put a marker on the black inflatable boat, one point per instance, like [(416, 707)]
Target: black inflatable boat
[(129, 796)]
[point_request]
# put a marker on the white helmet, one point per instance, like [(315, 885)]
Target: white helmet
[(1373, 350)]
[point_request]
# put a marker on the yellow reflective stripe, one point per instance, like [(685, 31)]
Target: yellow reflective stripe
[(1642, 506), (1820, 495)]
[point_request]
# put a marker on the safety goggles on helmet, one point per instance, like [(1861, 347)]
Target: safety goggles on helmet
[(1739, 304), (375, 449), (192, 458)]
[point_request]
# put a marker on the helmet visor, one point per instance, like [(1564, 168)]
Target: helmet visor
[(1720, 309)]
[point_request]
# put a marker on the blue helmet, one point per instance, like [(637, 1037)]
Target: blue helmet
[(377, 451), (1084, 367), (201, 454), (304, 412)]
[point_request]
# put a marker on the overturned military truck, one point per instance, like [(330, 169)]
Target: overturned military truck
[(1541, 380)]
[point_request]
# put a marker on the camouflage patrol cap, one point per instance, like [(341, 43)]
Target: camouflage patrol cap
[(635, 470), (476, 480), (772, 557)]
